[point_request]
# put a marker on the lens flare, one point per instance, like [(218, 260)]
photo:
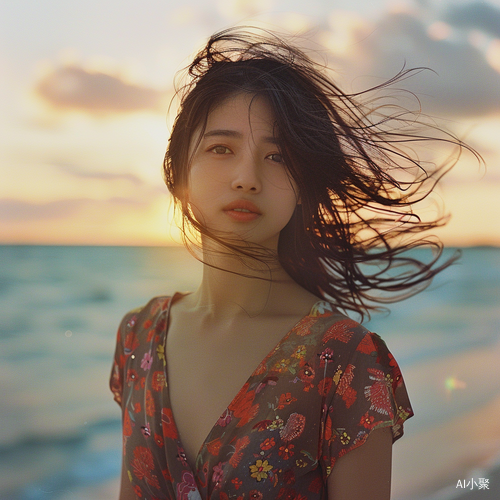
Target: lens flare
[(453, 383)]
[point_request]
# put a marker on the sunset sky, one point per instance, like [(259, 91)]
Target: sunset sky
[(86, 86)]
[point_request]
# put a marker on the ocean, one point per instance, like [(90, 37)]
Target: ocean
[(60, 428)]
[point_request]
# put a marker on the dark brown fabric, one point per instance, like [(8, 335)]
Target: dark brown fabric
[(317, 395)]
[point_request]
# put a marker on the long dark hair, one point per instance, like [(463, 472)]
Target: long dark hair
[(357, 174)]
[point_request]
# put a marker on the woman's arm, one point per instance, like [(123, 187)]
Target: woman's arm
[(126, 491), (365, 472)]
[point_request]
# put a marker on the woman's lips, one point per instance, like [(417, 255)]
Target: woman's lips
[(242, 211)]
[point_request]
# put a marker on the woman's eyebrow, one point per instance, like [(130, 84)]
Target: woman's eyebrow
[(223, 132), (236, 134)]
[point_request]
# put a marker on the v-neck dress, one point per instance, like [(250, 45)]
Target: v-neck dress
[(316, 396)]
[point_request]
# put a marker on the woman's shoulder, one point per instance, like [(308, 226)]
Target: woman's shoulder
[(329, 322), (331, 328), (143, 326), (147, 316)]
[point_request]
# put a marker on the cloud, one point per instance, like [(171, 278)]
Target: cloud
[(242, 9), (478, 15), (79, 172), (12, 210), (72, 87), (463, 85)]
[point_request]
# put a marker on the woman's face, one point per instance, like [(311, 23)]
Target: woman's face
[(238, 184)]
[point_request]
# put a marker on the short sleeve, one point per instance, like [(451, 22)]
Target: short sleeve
[(368, 394), (124, 341)]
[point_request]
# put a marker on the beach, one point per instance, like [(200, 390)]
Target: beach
[(60, 432)]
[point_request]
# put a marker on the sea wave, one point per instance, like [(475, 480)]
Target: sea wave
[(60, 308)]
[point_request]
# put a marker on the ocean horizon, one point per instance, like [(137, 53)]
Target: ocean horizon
[(61, 306)]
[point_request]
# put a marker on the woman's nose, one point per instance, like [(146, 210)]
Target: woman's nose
[(246, 177)]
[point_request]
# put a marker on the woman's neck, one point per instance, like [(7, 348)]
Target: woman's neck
[(234, 287)]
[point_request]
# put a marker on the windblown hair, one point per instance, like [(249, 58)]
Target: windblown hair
[(350, 156)]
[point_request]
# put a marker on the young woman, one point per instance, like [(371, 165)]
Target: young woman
[(257, 386)]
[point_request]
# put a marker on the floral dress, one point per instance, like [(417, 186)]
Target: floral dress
[(317, 395)]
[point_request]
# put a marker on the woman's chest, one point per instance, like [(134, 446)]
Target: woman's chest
[(206, 372), (266, 433)]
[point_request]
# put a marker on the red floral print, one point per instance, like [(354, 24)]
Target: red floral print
[(367, 420), (366, 345), (263, 425), (326, 356), (286, 451), (290, 494), (306, 374), (168, 425), (158, 381), (159, 440), (304, 327), (240, 445), (285, 399), (225, 418), (313, 399), (143, 464), (267, 444), (396, 371), (289, 476), (342, 330), (242, 407), (127, 424), (328, 428), (346, 379), (349, 396), (237, 483), (213, 447), (131, 343), (166, 474), (133, 379), (294, 427), (324, 386), (316, 485), (150, 404), (378, 393)]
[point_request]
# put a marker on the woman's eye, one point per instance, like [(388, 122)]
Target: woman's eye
[(220, 150), (276, 157)]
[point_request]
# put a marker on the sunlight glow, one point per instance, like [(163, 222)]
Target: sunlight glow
[(493, 55), (346, 29), (439, 31), (85, 166)]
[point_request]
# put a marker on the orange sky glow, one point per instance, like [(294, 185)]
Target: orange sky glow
[(82, 165)]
